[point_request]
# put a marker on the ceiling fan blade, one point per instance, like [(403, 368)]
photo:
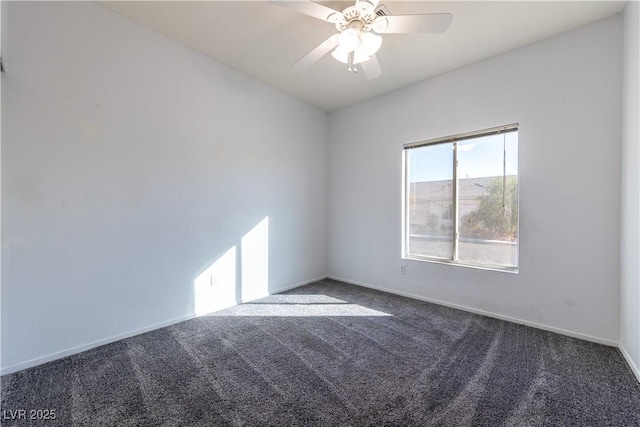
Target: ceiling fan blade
[(428, 23), (321, 50), (307, 7), (371, 68)]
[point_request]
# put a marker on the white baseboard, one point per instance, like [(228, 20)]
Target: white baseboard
[(632, 365), (84, 347), (297, 285), (484, 313)]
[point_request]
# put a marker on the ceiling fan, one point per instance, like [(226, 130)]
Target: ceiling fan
[(359, 27)]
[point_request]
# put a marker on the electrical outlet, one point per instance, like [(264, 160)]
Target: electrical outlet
[(212, 280), (403, 269)]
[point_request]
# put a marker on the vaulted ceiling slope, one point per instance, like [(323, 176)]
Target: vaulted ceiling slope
[(263, 40)]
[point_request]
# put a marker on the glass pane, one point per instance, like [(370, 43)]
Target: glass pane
[(430, 201), (488, 200)]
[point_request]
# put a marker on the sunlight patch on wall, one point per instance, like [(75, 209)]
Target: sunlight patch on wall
[(215, 287), (254, 262)]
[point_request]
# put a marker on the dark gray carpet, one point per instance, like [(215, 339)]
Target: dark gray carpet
[(334, 354)]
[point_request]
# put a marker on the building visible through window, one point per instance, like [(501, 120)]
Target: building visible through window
[(461, 199)]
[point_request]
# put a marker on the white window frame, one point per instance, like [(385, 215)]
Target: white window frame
[(455, 236)]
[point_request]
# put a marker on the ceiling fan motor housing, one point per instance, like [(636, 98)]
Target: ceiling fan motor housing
[(360, 17)]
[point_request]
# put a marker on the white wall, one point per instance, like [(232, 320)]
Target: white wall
[(566, 94), (630, 225), (129, 165)]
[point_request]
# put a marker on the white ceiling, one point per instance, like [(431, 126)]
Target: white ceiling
[(263, 40)]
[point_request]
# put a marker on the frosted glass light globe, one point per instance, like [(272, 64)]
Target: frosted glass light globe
[(370, 43), (349, 40)]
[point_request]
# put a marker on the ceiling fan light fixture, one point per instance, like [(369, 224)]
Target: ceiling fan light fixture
[(370, 43), (363, 44), (341, 55), (349, 40)]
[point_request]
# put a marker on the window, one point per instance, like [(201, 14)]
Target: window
[(461, 199)]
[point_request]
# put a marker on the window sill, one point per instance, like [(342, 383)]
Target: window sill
[(500, 269)]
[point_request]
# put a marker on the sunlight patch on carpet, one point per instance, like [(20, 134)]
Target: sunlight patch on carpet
[(299, 306)]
